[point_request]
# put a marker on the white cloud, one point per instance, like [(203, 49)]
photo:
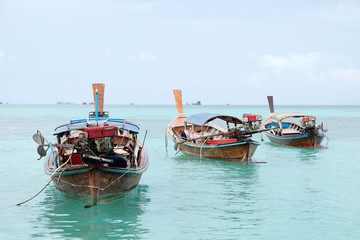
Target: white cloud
[(348, 75), (334, 77), (294, 61), (145, 57)]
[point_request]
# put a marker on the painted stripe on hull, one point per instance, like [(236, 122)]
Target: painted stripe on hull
[(305, 141)]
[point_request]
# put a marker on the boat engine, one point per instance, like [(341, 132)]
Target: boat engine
[(308, 122), (252, 121), (100, 139)]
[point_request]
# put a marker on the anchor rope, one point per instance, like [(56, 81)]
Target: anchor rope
[(50, 178), (166, 141), (35, 194), (61, 165), (327, 138), (201, 147)]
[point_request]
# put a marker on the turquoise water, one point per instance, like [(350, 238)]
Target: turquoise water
[(296, 194)]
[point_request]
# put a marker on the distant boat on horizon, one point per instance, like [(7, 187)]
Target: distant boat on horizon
[(196, 103), (66, 103)]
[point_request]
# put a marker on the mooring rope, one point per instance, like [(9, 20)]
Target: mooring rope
[(327, 138), (35, 194), (166, 141), (50, 178), (61, 165), (201, 147)]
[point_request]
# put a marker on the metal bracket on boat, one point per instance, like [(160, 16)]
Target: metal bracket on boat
[(258, 131), (100, 159), (138, 157)]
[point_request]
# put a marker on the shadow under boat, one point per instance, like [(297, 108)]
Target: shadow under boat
[(60, 217)]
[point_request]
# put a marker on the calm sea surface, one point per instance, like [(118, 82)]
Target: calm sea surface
[(297, 194)]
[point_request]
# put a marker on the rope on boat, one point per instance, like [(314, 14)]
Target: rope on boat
[(95, 187), (61, 165), (327, 138), (35, 194), (201, 151), (166, 141), (201, 147), (50, 178)]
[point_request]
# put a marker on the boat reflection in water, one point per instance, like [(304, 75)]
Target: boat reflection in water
[(64, 218), (225, 192)]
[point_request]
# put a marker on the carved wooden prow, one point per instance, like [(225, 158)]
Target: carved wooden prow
[(178, 100), (271, 103), (100, 87)]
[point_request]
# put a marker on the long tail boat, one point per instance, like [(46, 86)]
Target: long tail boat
[(283, 131), (96, 159), (196, 135)]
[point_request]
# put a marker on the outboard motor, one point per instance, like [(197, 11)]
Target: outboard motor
[(252, 121), (100, 139), (308, 122)]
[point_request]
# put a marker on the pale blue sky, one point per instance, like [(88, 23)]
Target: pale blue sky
[(229, 51)]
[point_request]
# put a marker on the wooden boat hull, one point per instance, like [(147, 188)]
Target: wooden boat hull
[(294, 140), (236, 151), (213, 142), (302, 141), (96, 185)]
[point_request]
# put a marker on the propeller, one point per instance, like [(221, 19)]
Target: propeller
[(44, 145), (39, 139)]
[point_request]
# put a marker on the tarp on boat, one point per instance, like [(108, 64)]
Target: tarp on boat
[(280, 116), (82, 123), (201, 119)]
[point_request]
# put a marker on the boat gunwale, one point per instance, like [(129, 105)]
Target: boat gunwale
[(70, 171), (285, 137)]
